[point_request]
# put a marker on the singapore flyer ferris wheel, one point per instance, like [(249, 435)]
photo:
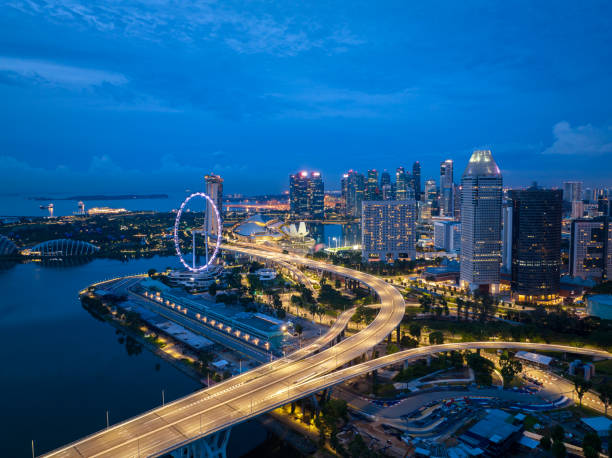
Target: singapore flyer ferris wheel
[(211, 231)]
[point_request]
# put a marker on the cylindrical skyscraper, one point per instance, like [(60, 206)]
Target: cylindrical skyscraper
[(481, 201)]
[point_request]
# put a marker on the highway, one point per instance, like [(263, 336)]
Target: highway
[(163, 429), (252, 393)]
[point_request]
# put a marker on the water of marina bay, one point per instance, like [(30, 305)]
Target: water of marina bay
[(62, 369)]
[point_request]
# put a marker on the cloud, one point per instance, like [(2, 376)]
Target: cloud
[(103, 173), (192, 22), (320, 101), (57, 74), (584, 140)]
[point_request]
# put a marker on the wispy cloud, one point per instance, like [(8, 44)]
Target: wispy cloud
[(103, 172), (584, 140), (319, 101), (243, 31), (58, 74)]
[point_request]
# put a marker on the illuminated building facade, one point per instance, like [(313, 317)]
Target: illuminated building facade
[(536, 244), (214, 190), (591, 248), (572, 191), (447, 186), (306, 195), (447, 235), (353, 190), (416, 179), (388, 230), (401, 184), (372, 192), (481, 200), (386, 188)]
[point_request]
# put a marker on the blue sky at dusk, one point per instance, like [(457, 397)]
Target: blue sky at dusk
[(129, 96)]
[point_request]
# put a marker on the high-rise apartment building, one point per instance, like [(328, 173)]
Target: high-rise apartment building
[(388, 230), (306, 195), (481, 200), (591, 248), (536, 244), (372, 192), (572, 191), (353, 189), (416, 178), (447, 200)]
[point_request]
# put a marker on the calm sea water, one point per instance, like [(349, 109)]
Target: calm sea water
[(62, 369), (21, 205)]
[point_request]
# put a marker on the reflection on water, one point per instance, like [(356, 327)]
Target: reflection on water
[(63, 369), (73, 261)]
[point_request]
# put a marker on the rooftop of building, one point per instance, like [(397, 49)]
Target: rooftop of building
[(482, 164), (494, 428), (534, 357)]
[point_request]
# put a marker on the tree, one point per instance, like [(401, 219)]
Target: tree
[(559, 450), (212, 289), (605, 395), (298, 328), (581, 387), (591, 445), (415, 330), (426, 303), (436, 338), (313, 309), (151, 272), (545, 443), (557, 433), (509, 368)]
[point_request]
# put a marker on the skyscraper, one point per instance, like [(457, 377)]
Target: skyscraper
[(214, 189), (536, 244), (591, 248), (388, 230), (416, 177), (354, 182), (572, 191), (431, 193), (507, 237), (447, 235), (386, 190), (401, 184), (481, 199), (306, 195), (447, 200), (372, 191)]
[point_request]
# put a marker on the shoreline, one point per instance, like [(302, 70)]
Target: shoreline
[(279, 433)]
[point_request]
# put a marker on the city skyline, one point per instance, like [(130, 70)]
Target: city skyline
[(230, 86)]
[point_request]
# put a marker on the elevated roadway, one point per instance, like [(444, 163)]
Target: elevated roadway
[(182, 422), (160, 430)]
